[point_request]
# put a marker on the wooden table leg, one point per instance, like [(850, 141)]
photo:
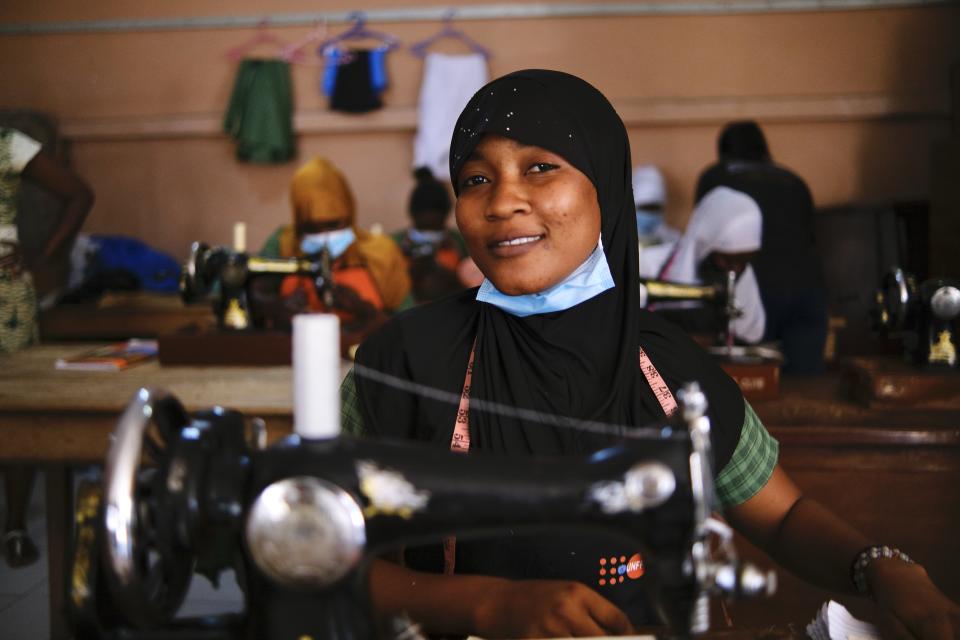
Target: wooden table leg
[(59, 491)]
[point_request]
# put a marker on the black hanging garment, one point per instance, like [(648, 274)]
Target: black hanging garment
[(355, 88)]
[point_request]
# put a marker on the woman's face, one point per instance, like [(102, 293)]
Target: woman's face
[(529, 217)]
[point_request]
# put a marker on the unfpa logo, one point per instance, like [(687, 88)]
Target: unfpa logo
[(614, 570)]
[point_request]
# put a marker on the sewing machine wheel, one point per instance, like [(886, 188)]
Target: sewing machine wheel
[(85, 577), (898, 290), (148, 567), (193, 281)]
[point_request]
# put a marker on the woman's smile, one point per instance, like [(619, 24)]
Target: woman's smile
[(515, 245)]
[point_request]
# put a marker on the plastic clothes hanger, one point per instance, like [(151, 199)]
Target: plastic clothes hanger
[(262, 36), (359, 31), (447, 31), (293, 53)]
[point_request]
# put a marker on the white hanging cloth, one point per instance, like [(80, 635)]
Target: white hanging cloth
[(449, 81)]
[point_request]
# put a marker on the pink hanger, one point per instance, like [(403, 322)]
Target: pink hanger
[(261, 36), (293, 53)]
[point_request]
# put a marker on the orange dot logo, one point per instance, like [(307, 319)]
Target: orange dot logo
[(635, 566)]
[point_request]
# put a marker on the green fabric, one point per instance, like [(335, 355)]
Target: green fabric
[(752, 462), (743, 476), (406, 303), (260, 114), (351, 421), (271, 247)]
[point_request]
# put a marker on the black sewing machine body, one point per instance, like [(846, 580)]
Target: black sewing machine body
[(708, 308), (228, 278), (302, 520), (926, 316)]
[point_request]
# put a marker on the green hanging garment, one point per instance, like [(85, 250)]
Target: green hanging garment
[(260, 114)]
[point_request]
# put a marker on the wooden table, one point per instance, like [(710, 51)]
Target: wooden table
[(119, 315), (893, 473)]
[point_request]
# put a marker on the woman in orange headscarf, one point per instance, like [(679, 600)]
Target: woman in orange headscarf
[(369, 272)]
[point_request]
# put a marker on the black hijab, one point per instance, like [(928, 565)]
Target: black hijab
[(580, 363)]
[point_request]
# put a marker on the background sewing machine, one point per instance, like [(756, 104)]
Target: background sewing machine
[(925, 317), (252, 323), (227, 276), (756, 368), (303, 519)]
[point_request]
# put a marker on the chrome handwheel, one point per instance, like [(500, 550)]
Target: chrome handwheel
[(148, 568)]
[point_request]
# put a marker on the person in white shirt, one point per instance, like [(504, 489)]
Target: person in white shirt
[(723, 235)]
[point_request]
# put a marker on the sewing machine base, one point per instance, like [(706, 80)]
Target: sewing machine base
[(889, 382), (757, 380)]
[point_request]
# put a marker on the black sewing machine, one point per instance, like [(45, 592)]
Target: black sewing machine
[(664, 296), (700, 309), (924, 315), (228, 277), (302, 520)]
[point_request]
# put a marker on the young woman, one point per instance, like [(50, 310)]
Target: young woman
[(542, 173), (723, 235), (369, 273), (433, 251)]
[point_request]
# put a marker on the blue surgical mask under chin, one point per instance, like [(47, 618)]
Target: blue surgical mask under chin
[(418, 236), (336, 242), (648, 222), (588, 280)]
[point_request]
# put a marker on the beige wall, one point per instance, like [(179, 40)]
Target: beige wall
[(852, 100)]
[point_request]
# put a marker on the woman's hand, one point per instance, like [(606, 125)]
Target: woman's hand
[(906, 591), (348, 300), (547, 609), (10, 258)]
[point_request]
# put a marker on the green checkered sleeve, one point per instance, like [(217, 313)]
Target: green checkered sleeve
[(351, 421), (752, 462)]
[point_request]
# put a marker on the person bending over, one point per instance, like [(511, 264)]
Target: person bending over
[(723, 235), (369, 275)]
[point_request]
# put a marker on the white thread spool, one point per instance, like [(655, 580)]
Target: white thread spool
[(240, 237), (316, 375)]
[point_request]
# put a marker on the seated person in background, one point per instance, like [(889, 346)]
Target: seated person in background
[(723, 235), (788, 267), (369, 274), (20, 156), (433, 251), (543, 202), (650, 198)]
